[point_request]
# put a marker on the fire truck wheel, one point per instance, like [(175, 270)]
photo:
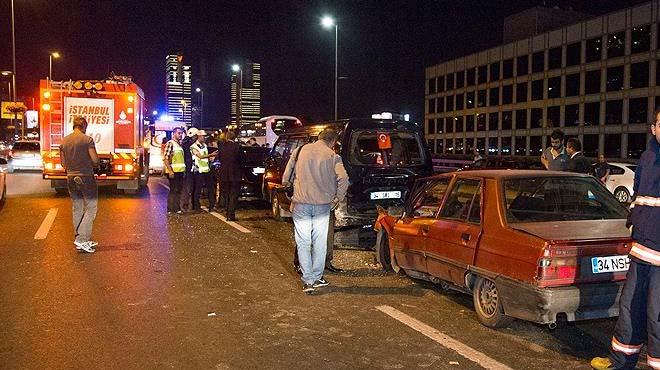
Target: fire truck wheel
[(62, 191)]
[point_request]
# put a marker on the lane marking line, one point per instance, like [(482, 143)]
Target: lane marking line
[(46, 224), (233, 224), (443, 339), (163, 185)]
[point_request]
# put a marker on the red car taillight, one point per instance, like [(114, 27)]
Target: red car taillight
[(555, 271)]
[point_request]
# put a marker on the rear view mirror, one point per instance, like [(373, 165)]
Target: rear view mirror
[(396, 211)]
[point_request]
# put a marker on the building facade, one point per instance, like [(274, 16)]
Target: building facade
[(598, 80), (178, 89), (246, 95)]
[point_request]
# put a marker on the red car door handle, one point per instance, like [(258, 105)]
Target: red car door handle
[(466, 237)]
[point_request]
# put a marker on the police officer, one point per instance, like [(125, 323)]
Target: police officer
[(639, 307), (201, 172), (175, 167)]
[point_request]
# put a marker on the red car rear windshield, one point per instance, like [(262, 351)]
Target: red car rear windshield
[(544, 199)]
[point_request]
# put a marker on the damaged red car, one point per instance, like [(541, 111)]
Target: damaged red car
[(532, 245)]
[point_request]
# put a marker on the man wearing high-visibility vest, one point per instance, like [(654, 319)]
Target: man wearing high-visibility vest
[(202, 172), (175, 168)]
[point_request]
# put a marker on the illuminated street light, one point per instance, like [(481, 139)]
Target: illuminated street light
[(235, 68), (155, 113), (51, 56), (201, 104), (239, 90), (328, 22)]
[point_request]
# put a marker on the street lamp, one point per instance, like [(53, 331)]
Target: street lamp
[(199, 90), (328, 22), (13, 53), (239, 89), (154, 113), (183, 111), (51, 56), (9, 93)]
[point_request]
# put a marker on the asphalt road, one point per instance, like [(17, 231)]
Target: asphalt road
[(194, 292)]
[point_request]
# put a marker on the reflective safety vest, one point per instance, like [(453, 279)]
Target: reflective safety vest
[(202, 164), (178, 161)]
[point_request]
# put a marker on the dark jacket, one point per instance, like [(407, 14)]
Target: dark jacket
[(229, 156), (647, 183), (579, 163), (187, 156)]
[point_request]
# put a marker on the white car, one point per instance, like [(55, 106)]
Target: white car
[(620, 181), (25, 155)]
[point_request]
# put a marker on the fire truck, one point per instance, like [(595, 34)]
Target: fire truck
[(114, 109)]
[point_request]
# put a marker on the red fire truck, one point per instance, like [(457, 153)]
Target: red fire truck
[(114, 110)]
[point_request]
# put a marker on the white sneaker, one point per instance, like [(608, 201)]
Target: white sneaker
[(85, 246)]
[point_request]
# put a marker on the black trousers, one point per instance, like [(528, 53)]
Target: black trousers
[(186, 191), (639, 317), (200, 180), (330, 244), (230, 191), (174, 197)]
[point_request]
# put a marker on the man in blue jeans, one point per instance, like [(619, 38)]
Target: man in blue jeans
[(78, 157), (319, 184)]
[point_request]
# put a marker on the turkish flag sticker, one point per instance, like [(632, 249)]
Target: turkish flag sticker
[(384, 141)]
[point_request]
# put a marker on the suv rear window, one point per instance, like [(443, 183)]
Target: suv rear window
[(397, 148), (27, 146)]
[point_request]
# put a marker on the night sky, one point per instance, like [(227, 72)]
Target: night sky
[(384, 46)]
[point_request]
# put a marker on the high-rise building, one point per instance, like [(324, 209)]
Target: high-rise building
[(598, 80), (246, 94), (178, 89)]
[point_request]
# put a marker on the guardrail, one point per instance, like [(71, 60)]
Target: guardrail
[(441, 165)]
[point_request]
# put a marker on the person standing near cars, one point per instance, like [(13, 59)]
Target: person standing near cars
[(78, 157), (229, 154), (319, 184), (601, 169), (577, 161), (188, 178), (554, 157), (201, 172), (175, 167), (639, 304)]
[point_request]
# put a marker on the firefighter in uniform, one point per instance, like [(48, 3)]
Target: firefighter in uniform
[(175, 167), (639, 311), (201, 172)]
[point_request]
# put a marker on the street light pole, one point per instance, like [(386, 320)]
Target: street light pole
[(13, 52), (50, 64), (239, 97), (200, 90), (328, 22)]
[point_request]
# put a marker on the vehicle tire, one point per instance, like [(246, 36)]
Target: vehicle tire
[(275, 207), (622, 194), (488, 304), (61, 191), (384, 254)]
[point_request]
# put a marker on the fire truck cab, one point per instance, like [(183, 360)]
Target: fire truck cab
[(114, 110)]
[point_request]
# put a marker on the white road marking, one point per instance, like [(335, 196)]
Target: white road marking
[(165, 186), (46, 224), (233, 224), (443, 339)]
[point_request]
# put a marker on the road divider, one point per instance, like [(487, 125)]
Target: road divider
[(46, 224), (444, 339)]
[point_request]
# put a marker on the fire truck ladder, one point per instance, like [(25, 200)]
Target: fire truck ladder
[(56, 114)]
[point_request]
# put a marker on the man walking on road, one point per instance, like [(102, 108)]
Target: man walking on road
[(639, 305), (229, 154), (175, 167), (201, 171), (319, 184), (78, 156)]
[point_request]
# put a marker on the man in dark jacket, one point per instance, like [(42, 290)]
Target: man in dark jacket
[(188, 178), (639, 305), (229, 154), (577, 161)]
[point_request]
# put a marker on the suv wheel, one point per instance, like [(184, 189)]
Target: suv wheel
[(275, 207), (488, 304)]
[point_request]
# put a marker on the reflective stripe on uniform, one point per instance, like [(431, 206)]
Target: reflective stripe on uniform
[(201, 163), (645, 254), (653, 362), (178, 160), (646, 201), (626, 349)]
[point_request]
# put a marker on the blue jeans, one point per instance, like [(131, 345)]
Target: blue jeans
[(311, 230)]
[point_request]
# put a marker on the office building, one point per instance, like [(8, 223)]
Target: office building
[(246, 95), (178, 89), (597, 80)]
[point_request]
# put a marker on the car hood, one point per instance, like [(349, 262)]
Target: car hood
[(575, 230)]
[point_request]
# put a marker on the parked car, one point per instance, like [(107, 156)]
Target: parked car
[(620, 181), (509, 163), (3, 179), (252, 163), (532, 245), (25, 155), (383, 158)]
